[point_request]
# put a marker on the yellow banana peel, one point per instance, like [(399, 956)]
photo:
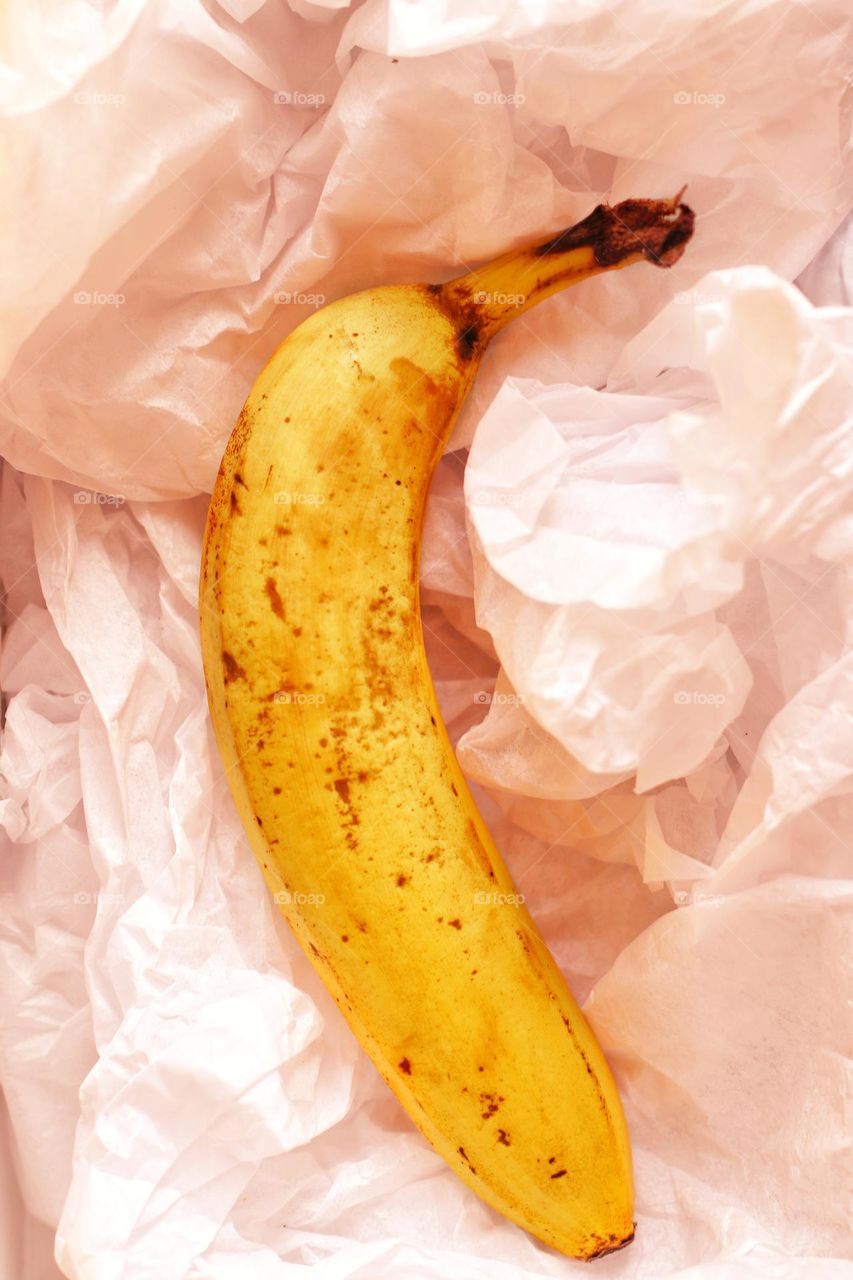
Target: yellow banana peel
[(335, 751)]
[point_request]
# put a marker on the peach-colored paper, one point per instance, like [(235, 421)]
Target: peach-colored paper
[(637, 608)]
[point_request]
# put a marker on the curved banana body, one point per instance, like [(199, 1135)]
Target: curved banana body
[(340, 765)]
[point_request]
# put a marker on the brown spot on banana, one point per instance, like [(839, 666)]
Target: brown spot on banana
[(232, 668), (276, 602)]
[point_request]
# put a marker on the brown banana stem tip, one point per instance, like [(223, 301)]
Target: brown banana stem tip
[(659, 229)]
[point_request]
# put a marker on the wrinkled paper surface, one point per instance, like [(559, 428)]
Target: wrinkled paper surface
[(636, 599)]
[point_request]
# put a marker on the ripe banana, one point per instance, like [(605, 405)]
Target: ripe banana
[(335, 750)]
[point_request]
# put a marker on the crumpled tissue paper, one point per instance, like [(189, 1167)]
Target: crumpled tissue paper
[(636, 601)]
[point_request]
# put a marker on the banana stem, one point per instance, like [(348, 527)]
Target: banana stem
[(611, 237)]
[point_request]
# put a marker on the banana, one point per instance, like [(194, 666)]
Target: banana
[(335, 751)]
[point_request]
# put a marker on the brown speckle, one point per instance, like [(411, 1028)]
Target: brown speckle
[(276, 602), (405, 1066), (466, 341), (402, 880), (503, 1138), (233, 670), (561, 1173), (491, 1104), (455, 924), (342, 788)]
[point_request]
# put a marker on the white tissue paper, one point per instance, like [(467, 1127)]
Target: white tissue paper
[(636, 600)]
